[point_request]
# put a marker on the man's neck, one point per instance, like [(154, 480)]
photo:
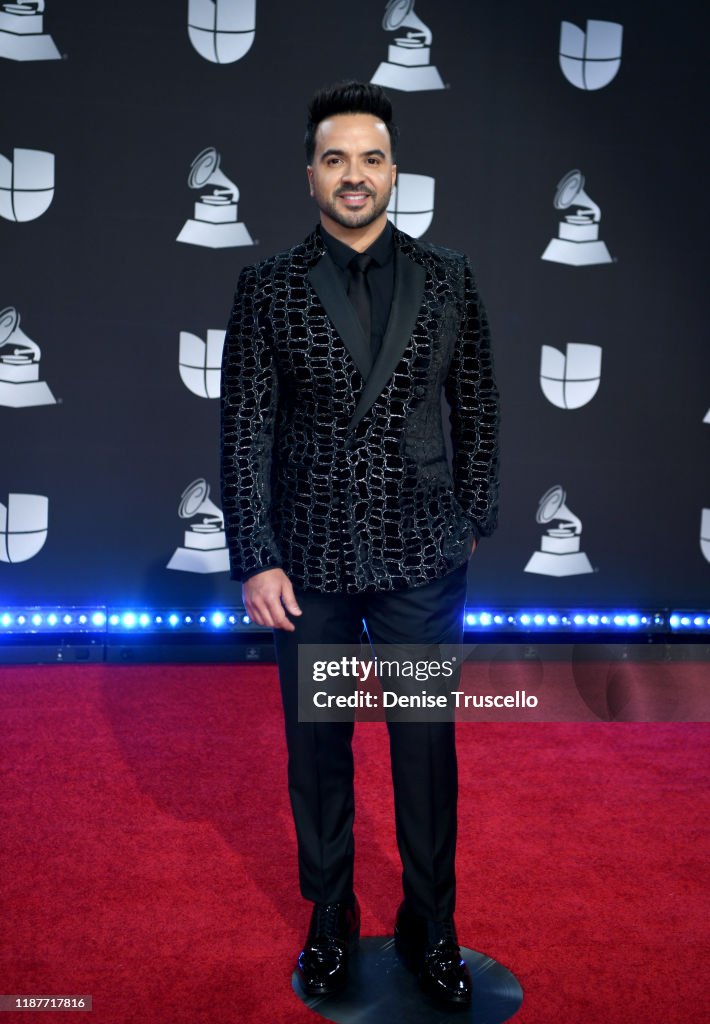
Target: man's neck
[(358, 239)]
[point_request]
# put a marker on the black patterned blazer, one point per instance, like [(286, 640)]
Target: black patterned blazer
[(336, 469)]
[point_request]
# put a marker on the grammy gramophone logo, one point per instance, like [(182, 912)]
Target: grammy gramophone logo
[(559, 553), (578, 243), (221, 31), (26, 184), (408, 64), (22, 35), (590, 59), (20, 385), (200, 362), (411, 206), (215, 223), (571, 378), (205, 544), (23, 526)]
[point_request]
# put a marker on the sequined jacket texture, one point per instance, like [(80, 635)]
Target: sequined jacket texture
[(336, 469)]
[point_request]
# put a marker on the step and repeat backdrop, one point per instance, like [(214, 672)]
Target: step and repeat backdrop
[(148, 152)]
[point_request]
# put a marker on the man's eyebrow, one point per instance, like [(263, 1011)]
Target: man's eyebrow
[(341, 152)]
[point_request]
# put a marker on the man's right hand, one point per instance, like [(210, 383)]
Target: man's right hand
[(266, 595)]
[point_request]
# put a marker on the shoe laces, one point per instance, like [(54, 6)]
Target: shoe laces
[(326, 920)]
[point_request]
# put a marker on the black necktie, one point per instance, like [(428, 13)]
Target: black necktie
[(359, 291)]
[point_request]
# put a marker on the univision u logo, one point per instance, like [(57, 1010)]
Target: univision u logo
[(23, 526), (26, 184), (201, 362), (590, 59), (221, 31), (570, 379)]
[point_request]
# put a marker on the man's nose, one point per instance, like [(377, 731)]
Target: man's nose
[(352, 176)]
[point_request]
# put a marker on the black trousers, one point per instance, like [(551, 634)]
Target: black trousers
[(422, 754)]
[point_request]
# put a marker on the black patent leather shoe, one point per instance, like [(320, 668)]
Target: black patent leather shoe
[(333, 935), (431, 950)]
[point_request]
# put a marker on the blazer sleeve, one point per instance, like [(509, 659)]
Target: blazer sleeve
[(249, 396), (472, 394)]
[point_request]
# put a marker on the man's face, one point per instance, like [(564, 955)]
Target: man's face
[(352, 174)]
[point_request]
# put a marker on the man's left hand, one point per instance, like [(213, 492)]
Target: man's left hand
[(473, 546)]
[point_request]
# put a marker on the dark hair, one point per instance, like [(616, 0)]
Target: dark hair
[(349, 98)]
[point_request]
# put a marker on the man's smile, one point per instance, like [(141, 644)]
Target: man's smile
[(354, 198)]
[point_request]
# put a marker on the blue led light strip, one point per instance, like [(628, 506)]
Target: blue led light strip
[(106, 621), (52, 620), (566, 621)]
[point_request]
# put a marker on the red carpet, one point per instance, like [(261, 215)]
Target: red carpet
[(147, 852)]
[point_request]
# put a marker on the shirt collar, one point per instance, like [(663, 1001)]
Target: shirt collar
[(381, 249)]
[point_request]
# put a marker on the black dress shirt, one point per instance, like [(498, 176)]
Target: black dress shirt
[(380, 276)]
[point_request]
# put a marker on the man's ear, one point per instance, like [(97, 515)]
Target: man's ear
[(309, 175), (394, 175)]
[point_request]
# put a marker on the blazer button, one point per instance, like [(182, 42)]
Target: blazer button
[(419, 391)]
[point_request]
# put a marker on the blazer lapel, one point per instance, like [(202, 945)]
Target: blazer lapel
[(406, 302), (323, 276), (409, 281)]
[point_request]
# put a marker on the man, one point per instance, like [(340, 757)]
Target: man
[(340, 507)]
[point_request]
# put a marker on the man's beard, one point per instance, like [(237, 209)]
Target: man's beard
[(355, 218)]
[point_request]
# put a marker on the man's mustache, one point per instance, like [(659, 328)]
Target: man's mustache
[(354, 188)]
